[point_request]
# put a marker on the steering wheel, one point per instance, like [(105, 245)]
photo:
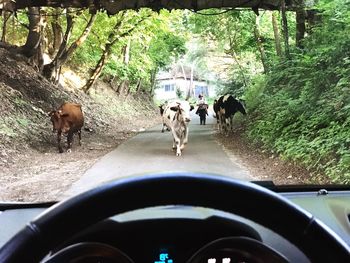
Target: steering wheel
[(63, 220)]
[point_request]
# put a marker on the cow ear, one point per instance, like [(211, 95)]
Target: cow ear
[(176, 108)]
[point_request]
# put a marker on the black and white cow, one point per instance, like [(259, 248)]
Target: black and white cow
[(161, 110), (216, 111), (176, 117), (225, 109)]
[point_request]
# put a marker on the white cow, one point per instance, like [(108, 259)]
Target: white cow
[(176, 117)]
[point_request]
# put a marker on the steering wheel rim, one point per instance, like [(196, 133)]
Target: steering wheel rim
[(245, 199)]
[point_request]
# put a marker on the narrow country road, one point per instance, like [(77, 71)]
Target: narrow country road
[(150, 151)]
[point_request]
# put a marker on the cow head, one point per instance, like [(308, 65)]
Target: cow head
[(59, 122), (161, 109), (241, 107), (183, 111)]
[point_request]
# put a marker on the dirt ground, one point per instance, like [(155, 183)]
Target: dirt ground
[(263, 165), (30, 167), (42, 174)]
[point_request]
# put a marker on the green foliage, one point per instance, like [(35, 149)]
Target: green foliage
[(302, 111), (253, 93), (154, 44), (179, 94)]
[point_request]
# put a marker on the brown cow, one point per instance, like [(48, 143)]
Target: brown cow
[(67, 119)]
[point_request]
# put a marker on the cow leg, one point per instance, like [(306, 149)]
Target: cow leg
[(79, 135), (227, 125), (178, 147), (182, 140), (185, 136), (69, 141), (174, 144), (221, 123), (59, 133)]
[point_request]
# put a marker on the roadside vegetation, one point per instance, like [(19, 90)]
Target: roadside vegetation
[(292, 69)]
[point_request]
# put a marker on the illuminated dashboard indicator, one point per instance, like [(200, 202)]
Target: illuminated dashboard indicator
[(224, 260), (164, 258)]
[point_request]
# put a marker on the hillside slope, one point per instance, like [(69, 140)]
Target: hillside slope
[(30, 166)]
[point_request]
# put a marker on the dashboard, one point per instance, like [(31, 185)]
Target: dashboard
[(176, 233), (179, 233)]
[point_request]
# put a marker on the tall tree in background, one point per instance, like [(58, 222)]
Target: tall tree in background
[(260, 45), (300, 15), (5, 17), (285, 29), (276, 33), (52, 70), (33, 48), (123, 28)]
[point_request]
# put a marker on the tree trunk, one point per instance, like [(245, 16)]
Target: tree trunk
[(127, 52), (276, 33), (153, 81), (260, 44), (34, 37), (190, 90), (285, 29), (51, 70), (5, 16), (313, 17), (300, 25), (32, 48), (57, 36), (234, 55), (113, 37), (97, 70), (138, 85)]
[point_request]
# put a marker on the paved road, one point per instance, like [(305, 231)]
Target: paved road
[(150, 151)]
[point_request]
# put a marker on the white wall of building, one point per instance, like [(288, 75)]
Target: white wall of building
[(166, 89)]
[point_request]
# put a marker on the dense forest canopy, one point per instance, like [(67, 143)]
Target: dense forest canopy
[(291, 67)]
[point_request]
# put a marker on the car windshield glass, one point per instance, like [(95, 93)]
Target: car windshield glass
[(89, 94)]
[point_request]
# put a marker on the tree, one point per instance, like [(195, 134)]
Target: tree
[(123, 28), (285, 29), (276, 33), (52, 71), (260, 45), (300, 24), (33, 48)]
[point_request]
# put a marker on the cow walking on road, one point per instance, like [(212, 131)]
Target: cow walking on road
[(68, 120), (161, 110), (225, 108), (176, 117)]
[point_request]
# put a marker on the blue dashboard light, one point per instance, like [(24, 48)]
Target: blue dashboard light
[(164, 258)]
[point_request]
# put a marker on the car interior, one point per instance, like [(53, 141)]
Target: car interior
[(181, 217)]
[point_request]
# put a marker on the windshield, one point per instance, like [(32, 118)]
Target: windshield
[(257, 93)]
